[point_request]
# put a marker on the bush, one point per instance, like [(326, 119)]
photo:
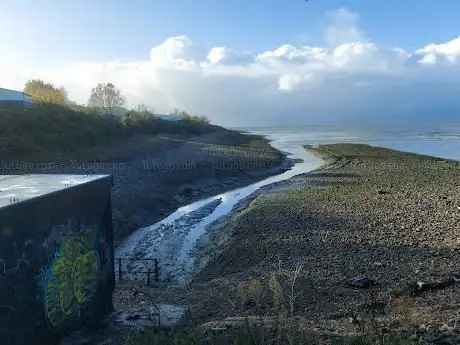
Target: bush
[(53, 129)]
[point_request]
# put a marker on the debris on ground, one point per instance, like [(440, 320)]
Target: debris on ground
[(361, 282), (420, 286)]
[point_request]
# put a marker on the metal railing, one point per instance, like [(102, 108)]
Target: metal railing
[(152, 269)]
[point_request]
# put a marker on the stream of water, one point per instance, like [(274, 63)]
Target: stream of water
[(172, 239)]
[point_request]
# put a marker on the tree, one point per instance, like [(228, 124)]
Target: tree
[(42, 92), (183, 114), (106, 99), (204, 119), (144, 109), (187, 117)]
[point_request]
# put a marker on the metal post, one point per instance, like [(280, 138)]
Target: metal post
[(148, 277), (156, 270), (119, 269)]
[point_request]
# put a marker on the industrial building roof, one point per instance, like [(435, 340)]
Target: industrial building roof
[(17, 188), (25, 93)]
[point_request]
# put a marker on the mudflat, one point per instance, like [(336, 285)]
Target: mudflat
[(391, 216), (154, 175)]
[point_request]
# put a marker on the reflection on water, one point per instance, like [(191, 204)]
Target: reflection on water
[(174, 252), (441, 140)]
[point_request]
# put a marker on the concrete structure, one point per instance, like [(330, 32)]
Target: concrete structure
[(171, 117), (11, 99), (56, 255)]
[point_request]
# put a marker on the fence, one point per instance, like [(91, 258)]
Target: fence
[(147, 272)]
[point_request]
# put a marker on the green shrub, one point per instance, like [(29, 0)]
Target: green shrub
[(47, 130)]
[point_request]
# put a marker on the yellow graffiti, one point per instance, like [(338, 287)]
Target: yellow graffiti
[(74, 278)]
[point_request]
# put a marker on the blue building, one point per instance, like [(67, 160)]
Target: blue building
[(11, 99)]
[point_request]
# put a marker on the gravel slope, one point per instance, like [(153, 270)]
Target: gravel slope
[(391, 215)]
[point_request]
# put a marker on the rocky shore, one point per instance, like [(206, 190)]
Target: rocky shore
[(390, 216)]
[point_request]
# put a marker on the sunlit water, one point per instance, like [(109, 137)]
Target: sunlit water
[(441, 140), (171, 239)]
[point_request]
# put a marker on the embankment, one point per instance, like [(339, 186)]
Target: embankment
[(154, 175)]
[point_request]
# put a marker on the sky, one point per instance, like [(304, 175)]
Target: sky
[(245, 62)]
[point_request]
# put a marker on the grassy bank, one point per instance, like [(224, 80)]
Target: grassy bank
[(157, 165), (390, 215), (53, 131)]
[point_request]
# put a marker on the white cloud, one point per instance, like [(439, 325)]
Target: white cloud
[(227, 56), (440, 53), (289, 82), (343, 27), (349, 78)]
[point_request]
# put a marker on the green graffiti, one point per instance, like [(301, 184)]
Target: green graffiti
[(74, 278)]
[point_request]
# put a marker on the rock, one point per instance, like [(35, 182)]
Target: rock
[(447, 342), (133, 317), (422, 286), (445, 327), (108, 341), (422, 328), (430, 329), (381, 191), (361, 282)]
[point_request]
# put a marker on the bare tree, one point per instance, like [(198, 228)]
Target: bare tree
[(144, 108), (106, 99)]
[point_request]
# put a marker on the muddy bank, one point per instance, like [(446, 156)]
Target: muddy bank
[(153, 176), (390, 215)]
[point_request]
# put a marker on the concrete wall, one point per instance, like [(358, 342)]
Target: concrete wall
[(56, 263)]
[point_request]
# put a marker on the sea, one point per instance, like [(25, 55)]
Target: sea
[(435, 139)]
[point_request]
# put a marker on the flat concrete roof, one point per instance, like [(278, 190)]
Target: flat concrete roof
[(17, 188), (25, 93)]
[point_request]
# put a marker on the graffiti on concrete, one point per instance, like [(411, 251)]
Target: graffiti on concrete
[(67, 283), (56, 264), (71, 281)]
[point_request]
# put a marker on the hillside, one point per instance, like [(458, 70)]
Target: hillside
[(157, 165), (59, 132)]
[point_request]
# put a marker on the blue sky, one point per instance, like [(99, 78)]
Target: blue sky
[(244, 61), (57, 30)]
